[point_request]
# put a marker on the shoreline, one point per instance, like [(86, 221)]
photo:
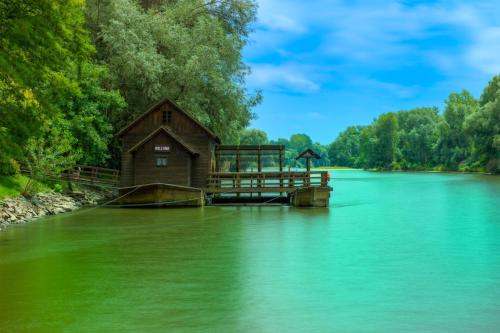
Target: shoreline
[(409, 170), (20, 210), (437, 171)]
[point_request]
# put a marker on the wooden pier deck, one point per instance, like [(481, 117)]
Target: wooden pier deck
[(264, 182)]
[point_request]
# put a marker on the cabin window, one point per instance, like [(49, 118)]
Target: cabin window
[(161, 161), (166, 117)]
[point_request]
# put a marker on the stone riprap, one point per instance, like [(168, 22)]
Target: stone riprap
[(21, 210)]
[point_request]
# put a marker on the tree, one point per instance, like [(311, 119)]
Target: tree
[(454, 144), (49, 154), (49, 77), (367, 143), (386, 139), (189, 51), (253, 137), (300, 142), (345, 150), (418, 133), (33, 65), (322, 151), (91, 111), (483, 127)]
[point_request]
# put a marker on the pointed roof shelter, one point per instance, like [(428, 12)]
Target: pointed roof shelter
[(308, 154)]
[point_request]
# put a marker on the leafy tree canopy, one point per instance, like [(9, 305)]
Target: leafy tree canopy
[(189, 51)]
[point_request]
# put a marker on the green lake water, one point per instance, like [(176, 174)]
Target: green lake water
[(395, 252)]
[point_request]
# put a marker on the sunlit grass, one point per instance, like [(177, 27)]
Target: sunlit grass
[(12, 186)]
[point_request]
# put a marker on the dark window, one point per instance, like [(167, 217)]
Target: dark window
[(166, 117), (161, 161)]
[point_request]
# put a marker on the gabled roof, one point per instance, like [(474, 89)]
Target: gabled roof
[(308, 153), (162, 101), (169, 132)]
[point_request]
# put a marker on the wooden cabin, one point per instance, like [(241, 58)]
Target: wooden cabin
[(167, 145)]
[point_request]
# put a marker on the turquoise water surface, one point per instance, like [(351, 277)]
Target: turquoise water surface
[(395, 252)]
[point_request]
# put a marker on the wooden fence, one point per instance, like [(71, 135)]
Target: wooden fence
[(91, 175)]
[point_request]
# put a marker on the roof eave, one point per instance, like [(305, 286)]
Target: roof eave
[(168, 132)]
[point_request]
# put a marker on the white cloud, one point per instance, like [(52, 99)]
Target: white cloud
[(281, 15), (484, 53), (289, 76)]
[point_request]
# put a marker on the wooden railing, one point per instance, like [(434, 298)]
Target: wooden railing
[(251, 182), (92, 175)]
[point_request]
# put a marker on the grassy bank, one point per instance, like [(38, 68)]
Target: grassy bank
[(13, 186)]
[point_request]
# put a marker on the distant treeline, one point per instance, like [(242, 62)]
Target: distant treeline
[(464, 137), (293, 146)]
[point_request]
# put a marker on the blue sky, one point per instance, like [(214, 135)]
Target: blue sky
[(324, 65)]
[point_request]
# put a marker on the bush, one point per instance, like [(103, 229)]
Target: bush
[(9, 167), (58, 188)]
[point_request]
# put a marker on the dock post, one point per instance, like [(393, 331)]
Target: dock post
[(259, 170)]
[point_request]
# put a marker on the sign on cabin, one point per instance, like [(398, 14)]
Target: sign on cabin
[(162, 149)]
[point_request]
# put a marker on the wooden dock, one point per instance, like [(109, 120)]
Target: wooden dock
[(294, 187), (262, 182)]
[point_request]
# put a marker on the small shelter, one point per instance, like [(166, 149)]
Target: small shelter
[(308, 154)]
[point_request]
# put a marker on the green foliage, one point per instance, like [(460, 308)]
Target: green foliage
[(49, 154), (385, 132), (12, 185), (188, 50), (9, 167), (48, 76), (345, 150), (322, 151), (300, 142), (417, 134), (91, 110), (58, 188), (454, 143), (483, 127), (32, 65), (367, 143), (378, 142), (253, 137)]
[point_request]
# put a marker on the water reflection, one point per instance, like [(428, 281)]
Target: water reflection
[(401, 252)]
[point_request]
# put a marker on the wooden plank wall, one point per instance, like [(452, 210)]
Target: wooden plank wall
[(178, 170)]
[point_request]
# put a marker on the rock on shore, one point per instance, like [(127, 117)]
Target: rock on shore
[(21, 210)]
